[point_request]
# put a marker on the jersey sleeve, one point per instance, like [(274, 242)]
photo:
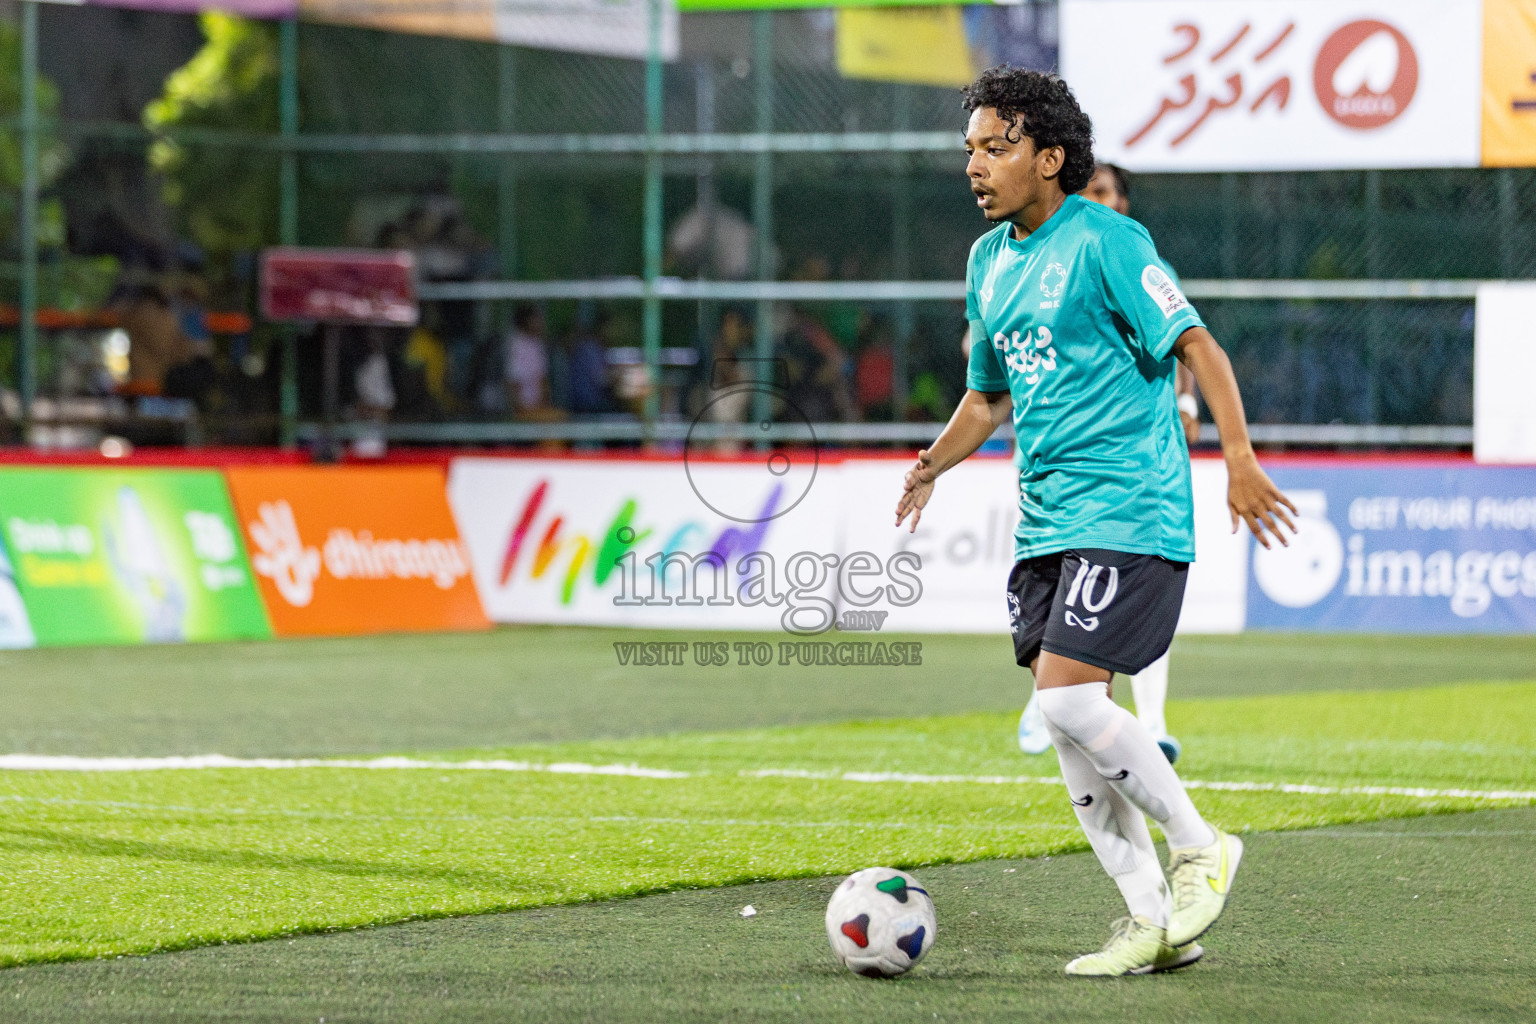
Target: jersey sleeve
[(1141, 289), (983, 372)]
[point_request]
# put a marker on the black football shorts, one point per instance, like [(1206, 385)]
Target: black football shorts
[(1106, 608)]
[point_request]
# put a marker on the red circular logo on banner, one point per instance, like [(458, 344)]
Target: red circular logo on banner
[(1366, 74)]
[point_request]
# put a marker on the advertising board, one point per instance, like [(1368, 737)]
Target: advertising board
[(615, 543), (618, 28), (342, 550), (1393, 550), (605, 542), (965, 545), (1509, 83), (123, 556), (1503, 367), (1215, 85)]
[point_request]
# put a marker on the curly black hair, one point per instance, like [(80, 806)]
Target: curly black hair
[(1041, 106)]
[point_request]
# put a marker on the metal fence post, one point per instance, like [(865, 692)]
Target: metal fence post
[(651, 324), (27, 335), (762, 210), (288, 215), (901, 258), (506, 168), (1375, 334), (1509, 218), (708, 202)]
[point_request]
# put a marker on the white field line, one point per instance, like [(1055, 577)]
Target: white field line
[(1236, 787), (67, 763), (1012, 828), (58, 763)]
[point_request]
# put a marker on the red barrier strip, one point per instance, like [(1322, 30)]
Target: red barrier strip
[(215, 457)]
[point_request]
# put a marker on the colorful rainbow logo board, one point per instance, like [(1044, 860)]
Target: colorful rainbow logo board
[(556, 540)]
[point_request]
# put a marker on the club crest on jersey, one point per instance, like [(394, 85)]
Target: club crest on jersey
[(1163, 291), (1028, 353), (1053, 281)]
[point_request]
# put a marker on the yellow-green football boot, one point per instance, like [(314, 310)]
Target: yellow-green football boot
[(1133, 948), (1170, 958), (1201, 878)]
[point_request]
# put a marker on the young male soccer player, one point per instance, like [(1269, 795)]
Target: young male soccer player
[(1149, 687), (1076, 323)]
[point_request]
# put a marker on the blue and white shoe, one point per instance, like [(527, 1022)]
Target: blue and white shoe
[(1034, 737), (1169, 746)]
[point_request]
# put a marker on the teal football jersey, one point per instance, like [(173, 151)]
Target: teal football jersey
[(1077, 322)]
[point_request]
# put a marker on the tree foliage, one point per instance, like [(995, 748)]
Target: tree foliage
[(225, 195), (52, 154)]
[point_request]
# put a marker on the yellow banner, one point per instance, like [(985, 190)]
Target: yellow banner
[(1509, 83), (923, 45)]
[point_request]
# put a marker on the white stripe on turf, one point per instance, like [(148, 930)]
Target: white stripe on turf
[(1239, 787), (66, 763)]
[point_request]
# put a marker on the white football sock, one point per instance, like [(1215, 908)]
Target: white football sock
[(1126, 755), (1118, 834), (1150, 688)]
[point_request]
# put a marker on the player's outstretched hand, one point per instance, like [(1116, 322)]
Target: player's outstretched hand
[(917, 485), (1254, 499)]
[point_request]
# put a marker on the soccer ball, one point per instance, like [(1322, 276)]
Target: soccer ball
[(880, 922)]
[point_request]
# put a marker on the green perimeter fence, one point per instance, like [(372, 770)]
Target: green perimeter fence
[(743, 200)]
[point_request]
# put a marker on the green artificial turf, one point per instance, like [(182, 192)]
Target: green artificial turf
[(102, 863), (535, 684), (105, 864), (1420, 921)]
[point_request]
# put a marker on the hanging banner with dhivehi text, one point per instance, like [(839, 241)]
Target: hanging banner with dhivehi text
[(1259, 85)]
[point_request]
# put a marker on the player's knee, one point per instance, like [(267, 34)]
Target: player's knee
[(1077, 712)]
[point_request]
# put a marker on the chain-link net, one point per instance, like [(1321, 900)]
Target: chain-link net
[(163, 171)]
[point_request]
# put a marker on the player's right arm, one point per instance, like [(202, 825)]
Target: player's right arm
[(986, 406), (975, 419)]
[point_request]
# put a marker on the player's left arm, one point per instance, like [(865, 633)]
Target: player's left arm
[(1189, 405), (1251, 496)]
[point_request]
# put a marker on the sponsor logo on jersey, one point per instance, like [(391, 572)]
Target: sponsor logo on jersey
[(1030, 354)]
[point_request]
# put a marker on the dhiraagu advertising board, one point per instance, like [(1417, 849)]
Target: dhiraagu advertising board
[(126, 556)]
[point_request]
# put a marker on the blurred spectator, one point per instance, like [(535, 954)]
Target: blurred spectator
[(526, 365), (818, 371), (586, 364), (426, 357), (191, 306), (874, 373), (927, 401), (162, 360), (714, 242), (727, 400), (375, 390)]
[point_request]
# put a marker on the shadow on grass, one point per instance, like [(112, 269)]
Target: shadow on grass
[(497, 883)]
